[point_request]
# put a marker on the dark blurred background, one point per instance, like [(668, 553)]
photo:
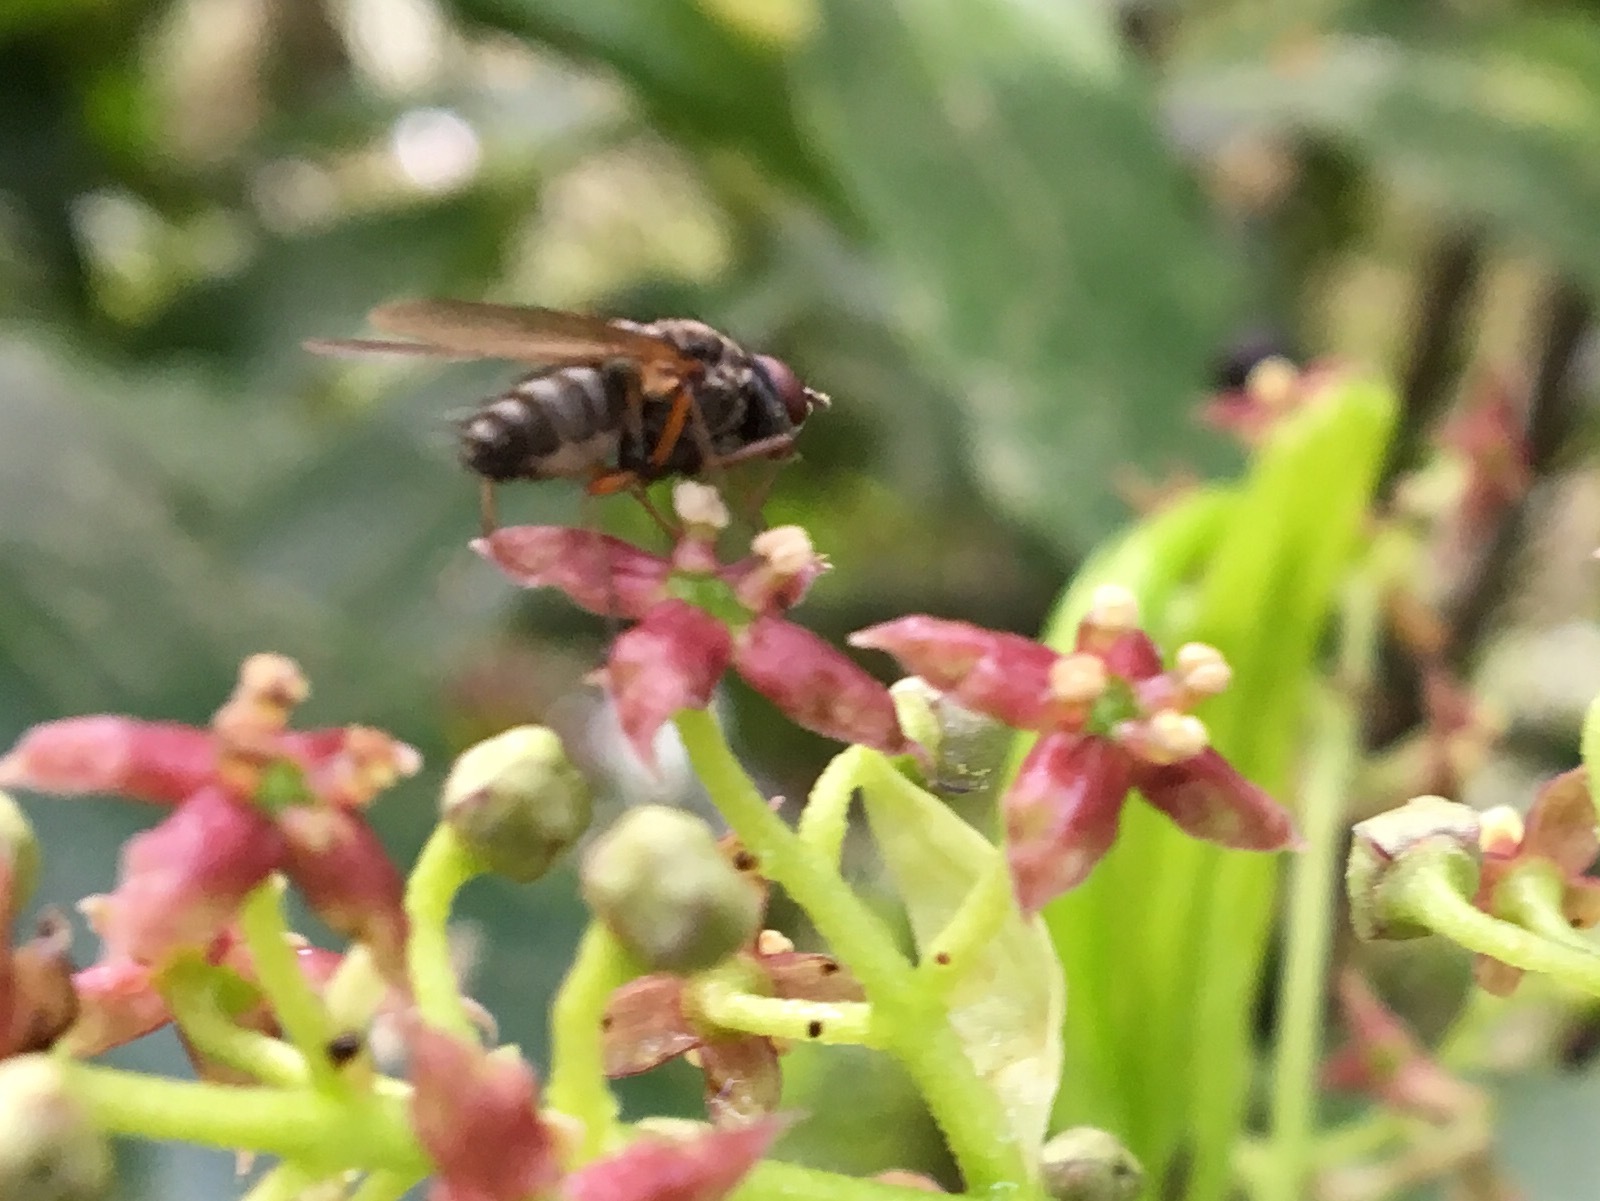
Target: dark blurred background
[(1012, 238)]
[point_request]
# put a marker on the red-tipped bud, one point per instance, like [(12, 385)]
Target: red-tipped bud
[(476, 1116), (49, 1148), (1428, 831), (602, 574), (1088, 1164), (816, 686), (706, 1167), (181, 882), (338, 863), (160, 762), (670, 661), (117, 1003)]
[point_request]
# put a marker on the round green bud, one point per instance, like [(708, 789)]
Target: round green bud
[(516, 802), (1087, 1164), (1426, 831), (660, 883), (21, 848), (49, 1150)]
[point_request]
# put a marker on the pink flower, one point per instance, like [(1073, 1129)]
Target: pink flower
[(1109, 719), (651, 1020), (697, 617), (251, 797), (477, 1117)]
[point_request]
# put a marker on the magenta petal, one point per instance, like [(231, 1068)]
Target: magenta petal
[(181, 882), (477, 1119), (1208, 799), (670, 661), (1130, 654), (604, 575), (817, 686), (1003, 675), (160, 762), (335, 859), (117, 1003), (1062, 813), (703, 1168)]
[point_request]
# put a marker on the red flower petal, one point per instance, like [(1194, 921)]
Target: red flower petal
[(706, 1168), (1062, 813), (181, 882), (602, 574), (160, 762), (1561, 824), (1384, 1060), (1002, 675), (644, 1026), (477, 1119), (817, 686), (1129, 654), (743, 1079), (804, 976), (336, 860), (1208, 799), (671, 660), (117, 1003), (352, 765)]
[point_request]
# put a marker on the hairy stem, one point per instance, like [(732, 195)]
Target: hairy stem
[(190, 993), (299, 1010), (837, 1022), (441, 870)]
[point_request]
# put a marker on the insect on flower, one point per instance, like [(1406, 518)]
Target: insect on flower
[(617, 404)]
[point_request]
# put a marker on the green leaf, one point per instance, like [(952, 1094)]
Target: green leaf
[(1502, 127), (1049, 257), (1006, 1007)]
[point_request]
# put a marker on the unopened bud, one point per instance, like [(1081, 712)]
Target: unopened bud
[(967, 748), (1086, 1164), (1113, 609), (49, 1151), (19, 849), (517, 802), (1426, 828), (659, 882)]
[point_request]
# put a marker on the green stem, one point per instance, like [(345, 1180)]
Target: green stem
[(385, 1186), (1306, 942), (835, 1022), (444, 866), (916, 1028), (1531, 896), (578, 1085), (277, 966), (286, 1182), (825, 820), (771, 1180), (1421, 890), (190, 994), (981, 914), (311, 1127)]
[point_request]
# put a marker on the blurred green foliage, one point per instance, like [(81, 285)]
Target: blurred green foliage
[(1008, 236)]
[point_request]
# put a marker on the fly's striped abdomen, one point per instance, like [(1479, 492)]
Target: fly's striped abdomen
[(561, 424)]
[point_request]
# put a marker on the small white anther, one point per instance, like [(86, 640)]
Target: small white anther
[(1113, 608), (1078, 679), (786, 548), (699, 505)]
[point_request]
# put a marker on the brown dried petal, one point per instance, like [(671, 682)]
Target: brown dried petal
[(802, 976), (743, 1079), (644, 1026)]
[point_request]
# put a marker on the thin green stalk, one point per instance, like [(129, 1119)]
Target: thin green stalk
[(825, 820), (295, 1004), (981, 914), (918, 1030), (1306, 942), (723, 1004), (444, 866), (1531, 897), (385, 1186), (578, 1085), (194, 1007), (306, 1125), (286, 1182), (771, 1180), (1422, 891)]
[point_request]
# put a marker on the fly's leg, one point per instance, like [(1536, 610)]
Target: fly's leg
[(621, 379), (488, 515)]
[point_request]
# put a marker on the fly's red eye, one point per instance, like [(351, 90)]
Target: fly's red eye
[(796, 397)]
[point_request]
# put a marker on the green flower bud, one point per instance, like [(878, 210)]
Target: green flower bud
[(967, 748), (661, 884), (49, 1151), (517, 802), (1426, 827), (18, 844), (1086, 1164)]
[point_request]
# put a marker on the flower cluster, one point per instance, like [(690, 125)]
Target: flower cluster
[(1109, 720)]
